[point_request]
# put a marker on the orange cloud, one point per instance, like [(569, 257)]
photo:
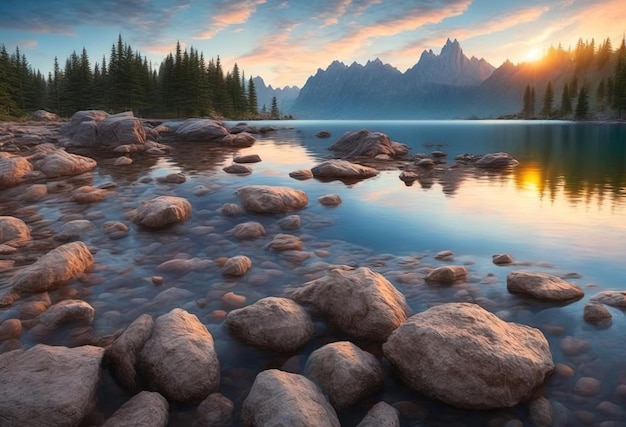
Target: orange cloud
[(231, 13)]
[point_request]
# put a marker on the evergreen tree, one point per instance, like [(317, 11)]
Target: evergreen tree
[(533, 101), (601, 94), (253, 106), (274, 113), (548, 101), (527, 108), (566, 101), (8, 107), (619, 80), (582, 105)]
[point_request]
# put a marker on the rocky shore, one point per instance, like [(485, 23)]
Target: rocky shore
[(83, 343)]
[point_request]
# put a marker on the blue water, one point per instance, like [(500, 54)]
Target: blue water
[(562, 210)]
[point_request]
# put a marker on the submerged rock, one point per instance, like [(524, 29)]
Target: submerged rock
[(467, 357), (270, 199), (161, 211), (280, 398)]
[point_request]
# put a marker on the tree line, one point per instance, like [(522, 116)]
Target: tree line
[(184, 85), (591, 82)]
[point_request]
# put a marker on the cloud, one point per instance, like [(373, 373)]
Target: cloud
[(229, 13)]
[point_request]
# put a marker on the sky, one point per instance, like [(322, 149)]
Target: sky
[(286, 41)]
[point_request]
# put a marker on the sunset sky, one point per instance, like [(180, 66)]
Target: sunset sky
[(287, 41)]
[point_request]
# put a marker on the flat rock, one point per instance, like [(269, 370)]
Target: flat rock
[(280, 398), (48, 385), (179, 358), (238, 169), (145, 409), (301, 174), (248, 158), (342, 169), (344, 372), (57, 266), (161, 211), (360, 302), (272, 323), (447, 274), (271, 199), (467, 357), (496, 161), (542, 286)]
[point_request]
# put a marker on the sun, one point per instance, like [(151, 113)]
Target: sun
[(533, 55)]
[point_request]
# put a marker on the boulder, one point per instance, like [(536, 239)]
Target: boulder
[(342, 169), (179, 359), (381, 415), (358, 301), (54, 162), (75, 229), (364, 143), (243, 139), (44, 116), (13, 170), (122, 354), (10, 329), (502, 259), (35, 193), (301, 174), (161, 211), (447, 274), (285, 242), (201, 130), (121, 129), (145, 409), (214, 411), (272, 323), (344, 372), (496, 161), (248, 230), (280, 398), (65, 311), (597, 314), (243, 127), (542, 286), (57, 266), (290, 222), (237, 266), (271, 199), (467, 357), (48, 385), (13, 230)]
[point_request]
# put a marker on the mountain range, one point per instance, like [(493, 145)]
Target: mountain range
[(445, 86)]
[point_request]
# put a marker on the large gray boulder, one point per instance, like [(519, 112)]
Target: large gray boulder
[(364, 143), (359, 301), (271, 199), (145, 409), (122, 355), (13, 229), (57, 266), (13, 170), (280, 398), (54, 162), (344, 372), (161, 211), (272, 323), (542, 286), (467, 357), (179, 359), (48, 386), (121, 129), (342, 169), (201, 130)]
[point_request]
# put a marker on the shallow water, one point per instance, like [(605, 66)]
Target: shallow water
[(561, 211)]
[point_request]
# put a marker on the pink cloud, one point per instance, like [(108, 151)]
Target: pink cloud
[(231, 13)]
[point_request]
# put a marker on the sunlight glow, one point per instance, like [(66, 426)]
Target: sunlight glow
[(533, 55)]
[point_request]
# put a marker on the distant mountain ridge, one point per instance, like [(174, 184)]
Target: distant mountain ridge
[(437, 86), (285, 96)]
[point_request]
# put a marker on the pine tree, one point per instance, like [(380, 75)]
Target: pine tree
[(582, 105), (533, 101), (274, 113), (526, 109), (566, 101), (548, 101), (253, 105), (619, 80)]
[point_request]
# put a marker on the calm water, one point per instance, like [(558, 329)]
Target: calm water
[(563, 210)]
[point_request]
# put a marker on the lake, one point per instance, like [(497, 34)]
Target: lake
[(561, 211)]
